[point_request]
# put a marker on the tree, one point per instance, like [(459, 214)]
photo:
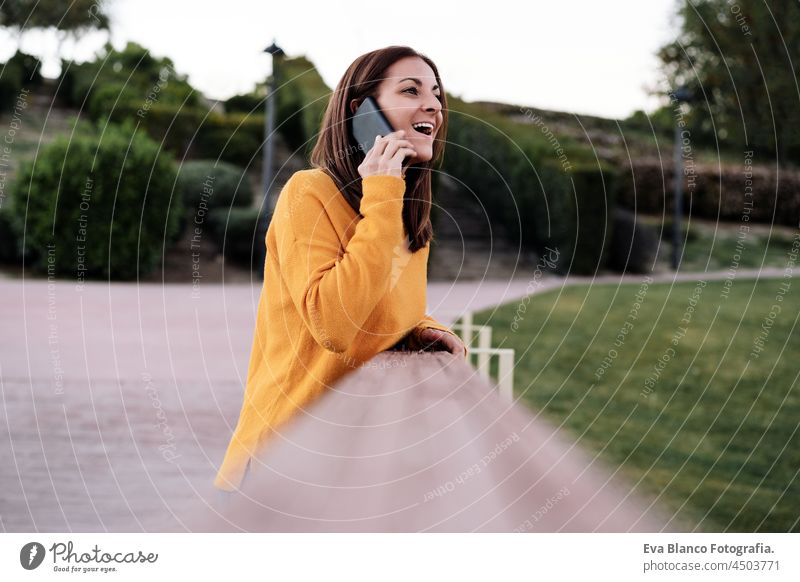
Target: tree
[(73, 19), (741, 59)]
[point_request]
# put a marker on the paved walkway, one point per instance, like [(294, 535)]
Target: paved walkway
[(118, 400)]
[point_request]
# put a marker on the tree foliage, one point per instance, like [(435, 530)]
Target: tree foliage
[(741, 60), (73, 18)]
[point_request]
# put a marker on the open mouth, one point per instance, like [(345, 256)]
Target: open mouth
[(424, 128)]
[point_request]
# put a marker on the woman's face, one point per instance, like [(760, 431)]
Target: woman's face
[(407, 96)]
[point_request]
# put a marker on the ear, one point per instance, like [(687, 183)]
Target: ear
[(353, 105)]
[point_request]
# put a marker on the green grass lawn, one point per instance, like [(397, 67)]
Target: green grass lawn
[(714, 246), (713, 433)]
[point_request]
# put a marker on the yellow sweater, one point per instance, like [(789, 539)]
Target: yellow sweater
[(338, 289)]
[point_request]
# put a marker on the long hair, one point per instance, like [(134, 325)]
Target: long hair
[(337, 153)]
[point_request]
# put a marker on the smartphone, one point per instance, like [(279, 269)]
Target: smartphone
[(368, 122)]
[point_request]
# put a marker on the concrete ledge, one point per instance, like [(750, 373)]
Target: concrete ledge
[(418, 443)]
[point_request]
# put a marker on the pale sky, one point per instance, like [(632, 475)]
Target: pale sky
[(579, 56)]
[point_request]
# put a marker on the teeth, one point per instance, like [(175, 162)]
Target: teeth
[(423, 124)]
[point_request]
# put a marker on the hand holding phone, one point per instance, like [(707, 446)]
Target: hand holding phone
[(387, 156), (385, 150)]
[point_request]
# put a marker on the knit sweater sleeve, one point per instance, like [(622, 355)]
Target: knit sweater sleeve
[(333, 291)]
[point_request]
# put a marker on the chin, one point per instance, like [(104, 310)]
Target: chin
[(422, 159)]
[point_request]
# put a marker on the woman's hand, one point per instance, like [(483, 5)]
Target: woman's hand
[(386, 157), (438, 340)]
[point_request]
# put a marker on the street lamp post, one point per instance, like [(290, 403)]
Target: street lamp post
[(275, 53)]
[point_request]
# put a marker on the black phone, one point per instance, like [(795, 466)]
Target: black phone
[(368, 122)]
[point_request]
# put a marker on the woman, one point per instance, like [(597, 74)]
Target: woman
[(347, 252)]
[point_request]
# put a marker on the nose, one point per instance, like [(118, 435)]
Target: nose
[(432, 104)]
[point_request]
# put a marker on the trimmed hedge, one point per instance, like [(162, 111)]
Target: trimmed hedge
[(235, 232), (228, 183), (595, 201), (191, 132), (106, 98), (138, 75), (98, 206), (232, 138), (11, 82), (300, 102), (634, 244), (205, 185), (647, 187), (21, 70), (523, 184), (10, 237), (31, 68)]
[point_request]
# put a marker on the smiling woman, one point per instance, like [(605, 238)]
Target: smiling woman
[(345, 275)]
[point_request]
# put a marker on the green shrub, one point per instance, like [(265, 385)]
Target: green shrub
[(136, 69), (594, 198), (634, 244), (290, 123), (234, 138), (205, 185), (565, 211), (300, 103), (192, 132), (11, 82), (518, 179), (714, 193), (105, 99), (31, 68), (10, 237), (542, 210), (172, 126), (218, 184), (21, 70), (661, 121), (98, 206), (235, 232), (245, 103)]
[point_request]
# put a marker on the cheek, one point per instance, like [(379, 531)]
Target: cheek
[(397, 118), (395, 114)]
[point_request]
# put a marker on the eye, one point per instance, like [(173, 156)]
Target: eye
[(414, 89)]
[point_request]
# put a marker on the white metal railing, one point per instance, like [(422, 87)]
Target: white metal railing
[(484, 352)]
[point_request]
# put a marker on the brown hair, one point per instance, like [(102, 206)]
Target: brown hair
[(332, 151)]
